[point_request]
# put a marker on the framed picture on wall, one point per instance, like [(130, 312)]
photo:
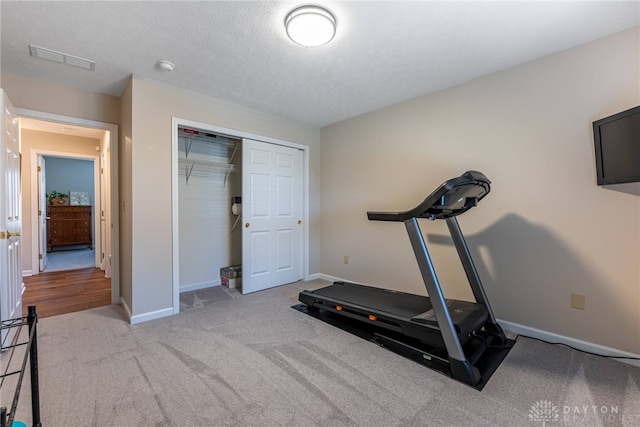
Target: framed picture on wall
[(79, 198)]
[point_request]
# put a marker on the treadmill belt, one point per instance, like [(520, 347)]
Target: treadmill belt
[(383, 300)]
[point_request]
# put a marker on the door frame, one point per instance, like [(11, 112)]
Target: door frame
[(175, 123), (41, 173), (97, 207), (114, 196)]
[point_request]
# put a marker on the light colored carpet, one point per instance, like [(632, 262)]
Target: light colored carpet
[(251, 360), (62, 260)]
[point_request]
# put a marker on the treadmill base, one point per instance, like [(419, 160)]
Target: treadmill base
[(430, 357)]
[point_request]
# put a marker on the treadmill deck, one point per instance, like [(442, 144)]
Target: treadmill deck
[(397, 311), (378, 299)]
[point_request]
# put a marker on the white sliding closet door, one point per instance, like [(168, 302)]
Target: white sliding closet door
[(272, 236)]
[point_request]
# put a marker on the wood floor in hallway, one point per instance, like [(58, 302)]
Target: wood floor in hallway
[(61, 292)]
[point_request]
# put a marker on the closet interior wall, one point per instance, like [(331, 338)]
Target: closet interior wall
[(210, 236)]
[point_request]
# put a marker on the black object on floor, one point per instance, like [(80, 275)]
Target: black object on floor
[(457, 337), (431, 357)]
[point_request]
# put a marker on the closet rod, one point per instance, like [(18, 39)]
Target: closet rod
[(213, 139)]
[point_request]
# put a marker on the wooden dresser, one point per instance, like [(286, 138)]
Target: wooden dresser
[(68, 225)]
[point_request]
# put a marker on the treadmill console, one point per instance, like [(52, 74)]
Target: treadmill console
[(451, 198)]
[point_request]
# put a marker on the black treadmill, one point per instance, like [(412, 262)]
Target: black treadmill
[(449, 335)]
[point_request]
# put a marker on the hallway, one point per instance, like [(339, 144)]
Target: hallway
[(76, 259), (61, 292)]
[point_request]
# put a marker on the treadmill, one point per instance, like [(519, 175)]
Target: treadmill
[(459, 338)]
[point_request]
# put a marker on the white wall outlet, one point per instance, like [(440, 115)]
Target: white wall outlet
[(578, 301)]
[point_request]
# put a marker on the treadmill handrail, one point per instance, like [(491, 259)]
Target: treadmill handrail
[(472, 186)]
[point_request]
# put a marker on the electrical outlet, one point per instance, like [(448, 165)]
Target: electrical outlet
[(578, 301), (346, 259)]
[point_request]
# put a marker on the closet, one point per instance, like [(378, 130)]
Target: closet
[(210, 234)]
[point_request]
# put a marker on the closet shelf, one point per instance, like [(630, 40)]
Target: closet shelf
[(210, 139), (190, 167), (208, 145)]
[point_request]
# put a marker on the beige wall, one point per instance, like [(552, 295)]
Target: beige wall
[(153, 106), (32, 94), (39, 95), (37, 141), (125, 185), (545, 230), (143, 114)]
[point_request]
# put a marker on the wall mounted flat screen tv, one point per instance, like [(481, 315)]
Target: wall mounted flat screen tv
[(617, 144)]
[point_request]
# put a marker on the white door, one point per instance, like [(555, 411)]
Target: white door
[(272, 236), (11, 285), (42, 213)]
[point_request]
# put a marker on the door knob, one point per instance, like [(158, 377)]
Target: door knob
[(7, 235), (247, 225), (299, 222)]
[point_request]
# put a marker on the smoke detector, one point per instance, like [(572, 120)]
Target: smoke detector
[(165, 65)]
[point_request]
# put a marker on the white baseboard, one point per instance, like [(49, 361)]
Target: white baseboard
[(197, 286), (139, 318), (313, 277), (26, 273), (126, 308), (572, 342), (546, 336), (146, 316), (327, 277), (335, 279)]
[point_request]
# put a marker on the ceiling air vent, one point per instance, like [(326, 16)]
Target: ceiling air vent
[(61, 58)]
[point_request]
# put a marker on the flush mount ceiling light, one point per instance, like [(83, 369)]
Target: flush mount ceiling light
[(61, 58), (310, 26)]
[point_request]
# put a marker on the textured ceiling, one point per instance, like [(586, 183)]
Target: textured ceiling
[(384, 52)]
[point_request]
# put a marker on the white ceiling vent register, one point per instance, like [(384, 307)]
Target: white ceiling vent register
[(61, 58)]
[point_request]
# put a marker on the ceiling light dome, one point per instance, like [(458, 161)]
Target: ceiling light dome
[(310, 26)]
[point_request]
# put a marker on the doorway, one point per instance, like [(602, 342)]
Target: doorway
[(68, 232), (103, 157)]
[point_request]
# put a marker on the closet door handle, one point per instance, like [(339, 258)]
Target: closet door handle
[(247, 225)]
